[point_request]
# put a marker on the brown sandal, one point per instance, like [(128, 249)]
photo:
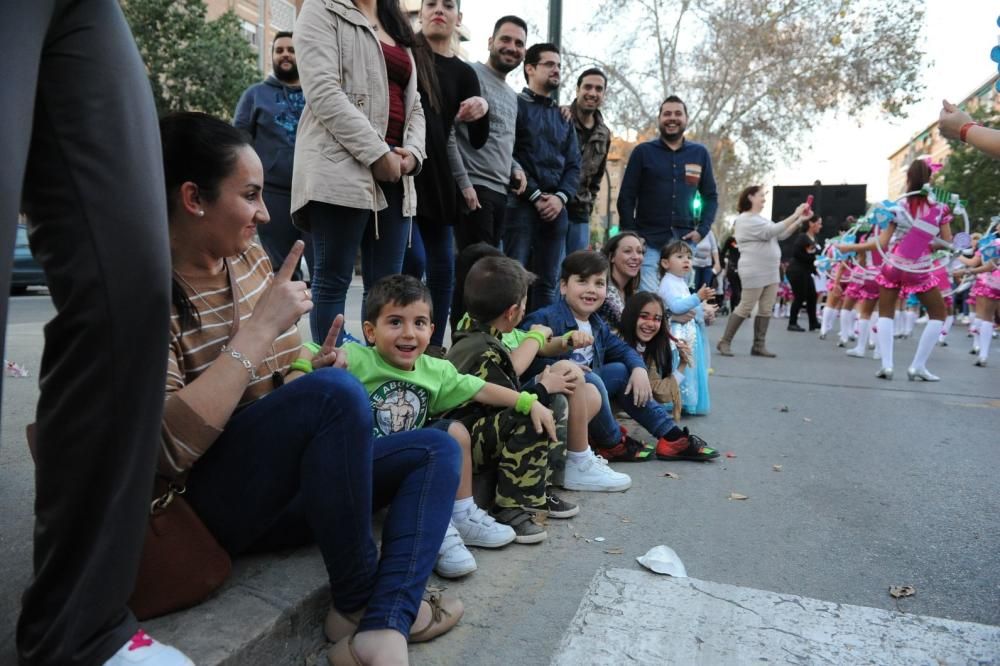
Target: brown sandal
[(341, 625), (343, 654), (445, 614)]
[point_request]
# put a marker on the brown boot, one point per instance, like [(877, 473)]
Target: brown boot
[(733, 325), (759, 333)]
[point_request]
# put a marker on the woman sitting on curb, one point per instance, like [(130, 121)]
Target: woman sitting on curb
[(276, 437)]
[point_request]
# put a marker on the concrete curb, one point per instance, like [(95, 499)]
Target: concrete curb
[(270, 612)]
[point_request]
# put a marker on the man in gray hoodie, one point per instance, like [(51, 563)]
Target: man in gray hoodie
[(269, 111), (485, 174)]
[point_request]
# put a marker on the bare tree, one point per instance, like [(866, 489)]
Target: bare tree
[(755, 74)]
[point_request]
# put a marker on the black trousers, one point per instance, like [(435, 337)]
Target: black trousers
[(484, 225), (82, 160), (279, 235), (805, 292)]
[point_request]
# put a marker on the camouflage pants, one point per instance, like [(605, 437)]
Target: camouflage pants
[(526, 462)]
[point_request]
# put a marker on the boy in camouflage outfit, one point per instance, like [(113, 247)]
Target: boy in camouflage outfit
[(528, 464)]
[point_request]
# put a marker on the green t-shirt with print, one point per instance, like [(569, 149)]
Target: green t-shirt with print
[(403, 400)]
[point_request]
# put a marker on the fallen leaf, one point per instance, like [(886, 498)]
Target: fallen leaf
[(626, 520), (737, 496), (614, 551), (670, 475), (577, 536), (807, 419), (898, 591), (777, 468), (784, 408), (599, 539), (730, 454)]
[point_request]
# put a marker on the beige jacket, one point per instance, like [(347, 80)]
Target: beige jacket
[(342, 129)]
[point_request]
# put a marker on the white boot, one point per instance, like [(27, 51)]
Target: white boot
[(144, 650)]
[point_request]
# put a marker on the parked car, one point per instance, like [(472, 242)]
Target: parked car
[(27, 272)]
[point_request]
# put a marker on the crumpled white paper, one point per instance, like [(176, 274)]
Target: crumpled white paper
[(663, 560)]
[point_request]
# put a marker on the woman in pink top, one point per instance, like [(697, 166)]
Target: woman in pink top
[(912, 251)]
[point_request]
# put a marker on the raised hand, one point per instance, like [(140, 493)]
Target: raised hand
[(284, 301), (472, 109)]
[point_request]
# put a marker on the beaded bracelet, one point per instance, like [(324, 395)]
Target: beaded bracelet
[(302, 365), (244, 361), (525, 402)]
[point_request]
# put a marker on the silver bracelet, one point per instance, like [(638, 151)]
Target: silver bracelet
[(244, 361)]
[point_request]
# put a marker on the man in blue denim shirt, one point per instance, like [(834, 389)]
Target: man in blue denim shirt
[(546, 148), (658, 190)]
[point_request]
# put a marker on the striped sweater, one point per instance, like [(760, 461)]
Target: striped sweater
[(186, 436)]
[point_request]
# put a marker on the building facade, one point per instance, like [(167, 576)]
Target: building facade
[(260, 20), (929, 141)]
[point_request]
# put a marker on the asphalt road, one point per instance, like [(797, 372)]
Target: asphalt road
[(880, 483)]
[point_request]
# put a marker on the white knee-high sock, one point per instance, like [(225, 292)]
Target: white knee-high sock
[(985, 337), (948, 321), (846, 324), (863, 326), (926, 345), (886, 329), (911, 321), (827, 324)]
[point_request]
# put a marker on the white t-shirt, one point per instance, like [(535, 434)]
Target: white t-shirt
[(703, 251), (584, 355)]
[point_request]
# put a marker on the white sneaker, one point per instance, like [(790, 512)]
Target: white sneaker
[(479, 528), (855, 352), (594, 474), (454, 559), (142, 649)]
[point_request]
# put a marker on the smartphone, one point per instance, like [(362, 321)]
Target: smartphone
[(809, 201)]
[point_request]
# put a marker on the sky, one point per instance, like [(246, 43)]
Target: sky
[(957, 39)]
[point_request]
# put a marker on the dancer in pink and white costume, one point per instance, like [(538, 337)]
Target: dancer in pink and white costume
[(986, 291), (910, 249), (863, 289)]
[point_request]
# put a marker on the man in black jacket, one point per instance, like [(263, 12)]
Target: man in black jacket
[(546, 148)]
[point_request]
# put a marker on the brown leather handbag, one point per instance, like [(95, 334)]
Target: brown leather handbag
[(182, 564)]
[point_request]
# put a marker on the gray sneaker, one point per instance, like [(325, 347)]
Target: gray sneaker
[(523, 523), (557, 507)]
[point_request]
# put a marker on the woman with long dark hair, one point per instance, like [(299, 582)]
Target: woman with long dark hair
[(625, 253), (449, 93), (800, 273), (360, 142), (911, 249), (731, 263), (274, 437)]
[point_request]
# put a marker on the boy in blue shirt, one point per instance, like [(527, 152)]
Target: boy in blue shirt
[(614, 367)]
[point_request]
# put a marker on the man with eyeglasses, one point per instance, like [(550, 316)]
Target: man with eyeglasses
[(545, 146)]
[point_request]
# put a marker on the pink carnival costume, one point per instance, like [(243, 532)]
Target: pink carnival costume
[(908, 268)]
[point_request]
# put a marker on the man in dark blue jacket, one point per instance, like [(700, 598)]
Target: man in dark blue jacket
[(270, 112), (546, 148), (658, 197)]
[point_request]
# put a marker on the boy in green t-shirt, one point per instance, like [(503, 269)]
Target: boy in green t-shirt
[(406, 387)]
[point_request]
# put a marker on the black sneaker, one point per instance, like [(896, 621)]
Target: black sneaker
[(522, 522), (558, 507)]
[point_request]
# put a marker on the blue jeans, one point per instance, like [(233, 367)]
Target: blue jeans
[(432, 254), (300, 466), (539, 247), (338, 232), (611, 380), (578, 233)]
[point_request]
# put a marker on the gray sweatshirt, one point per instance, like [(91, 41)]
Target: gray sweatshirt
[(492, 165)]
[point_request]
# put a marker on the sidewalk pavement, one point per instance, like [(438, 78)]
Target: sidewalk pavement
[(878, 483)]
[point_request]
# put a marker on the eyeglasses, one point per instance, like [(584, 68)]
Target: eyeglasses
[(645, 316), (548, 63)]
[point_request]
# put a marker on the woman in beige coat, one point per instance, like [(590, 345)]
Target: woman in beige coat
[(760, 255), (360, 142)]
